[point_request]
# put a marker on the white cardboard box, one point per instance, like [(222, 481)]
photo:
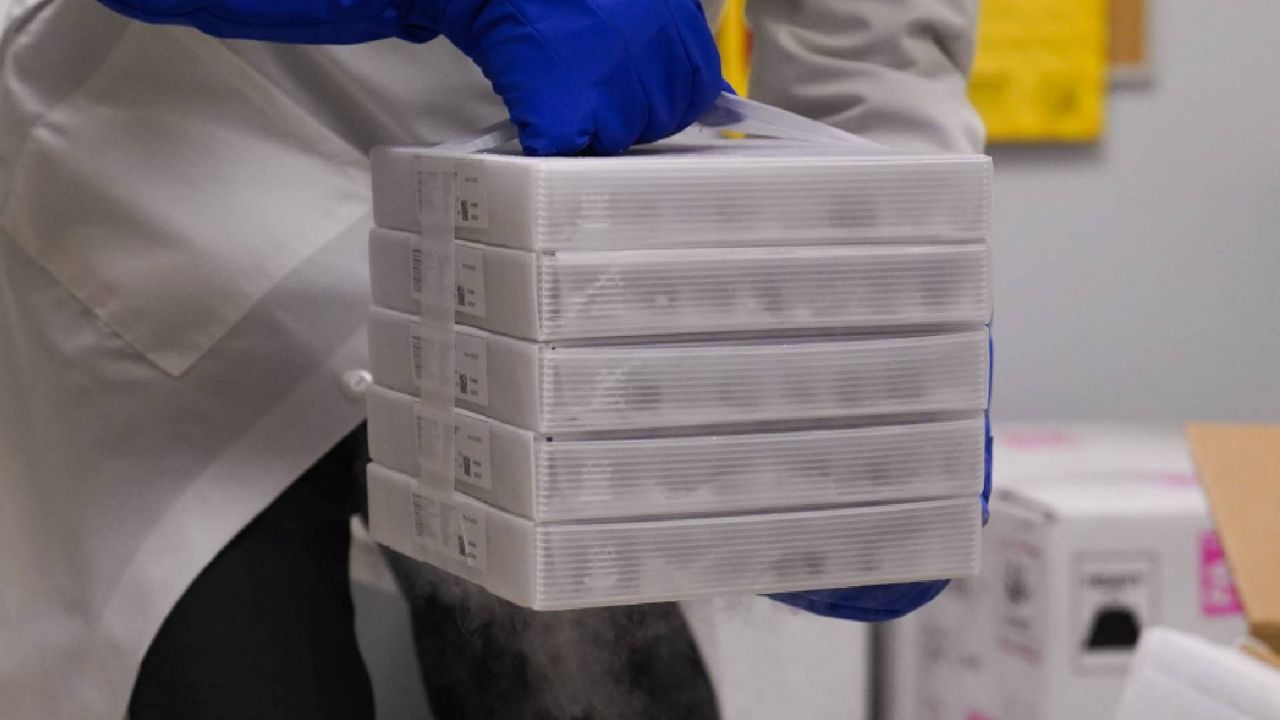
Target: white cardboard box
[(1074, 566), (770, 661), (1178, 676), (631, 293)]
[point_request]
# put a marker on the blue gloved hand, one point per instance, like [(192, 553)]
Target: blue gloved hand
[(576, 75), (880, 603)]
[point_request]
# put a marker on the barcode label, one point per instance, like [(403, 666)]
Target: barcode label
[(434, 191), (428, 357), (471, 450), (428, 521), (415, 354), (415, 272), (471, 365), (427, 433), (473, 197), (468, 537), (469, 276)]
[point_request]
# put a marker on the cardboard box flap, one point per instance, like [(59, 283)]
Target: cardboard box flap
[(1240, 469)]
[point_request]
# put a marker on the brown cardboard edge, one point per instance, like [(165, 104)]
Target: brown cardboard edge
[(1263, 654), (1240, 471)]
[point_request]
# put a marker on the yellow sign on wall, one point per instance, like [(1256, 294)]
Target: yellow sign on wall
[(734, 40), (1040, 74)]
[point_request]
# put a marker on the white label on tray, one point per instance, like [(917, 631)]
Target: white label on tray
[(432, 441), (428, 521), (437, 190), (472, 364), (427, 273), (469, 276), (468, 537), (471, 443), (473, 197), (427, 358)]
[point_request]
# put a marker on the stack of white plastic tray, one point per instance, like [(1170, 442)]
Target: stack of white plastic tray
[(550, 566), (610, 293), (690, 370)]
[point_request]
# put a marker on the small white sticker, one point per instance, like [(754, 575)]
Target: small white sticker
[(428, 357), (471, 443), (469, 276), (428, 521), (431, 436), (431, 277), (473, 197), (1021, 603), (472, 367), (436, 191), (469, 539)]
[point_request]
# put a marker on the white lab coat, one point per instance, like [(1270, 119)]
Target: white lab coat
[(183, 284)]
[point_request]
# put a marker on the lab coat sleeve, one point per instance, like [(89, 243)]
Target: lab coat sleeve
[(894, 71)]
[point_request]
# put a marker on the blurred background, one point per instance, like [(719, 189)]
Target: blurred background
[(1136, 233), (1136, 238)]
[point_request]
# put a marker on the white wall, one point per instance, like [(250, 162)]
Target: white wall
[(1140, 279)]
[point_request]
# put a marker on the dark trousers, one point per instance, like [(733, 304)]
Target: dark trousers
[(267, 631)]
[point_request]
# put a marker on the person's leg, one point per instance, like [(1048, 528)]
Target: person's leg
[(483, 658), (268, 629)]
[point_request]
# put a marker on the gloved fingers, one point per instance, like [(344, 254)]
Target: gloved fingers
[(590, 75), (295, 21), (986, 479), (707, 82), (663, 65), (876, 603), (545, 102), (561, 102), (667, 46), (612, 72)]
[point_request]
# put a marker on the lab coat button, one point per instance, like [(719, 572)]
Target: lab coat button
[(355, 383)]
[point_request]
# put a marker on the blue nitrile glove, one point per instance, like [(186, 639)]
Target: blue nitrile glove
[(593, 75)]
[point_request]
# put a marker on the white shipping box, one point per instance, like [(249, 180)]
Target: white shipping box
[(769, 661), (935, 663), (1178, 676), (1075, 565), (1182, 677)]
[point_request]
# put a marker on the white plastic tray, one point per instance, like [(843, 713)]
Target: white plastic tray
[(550, 566), (551, 387), (544, 478), (676, 194), (587, 294)]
